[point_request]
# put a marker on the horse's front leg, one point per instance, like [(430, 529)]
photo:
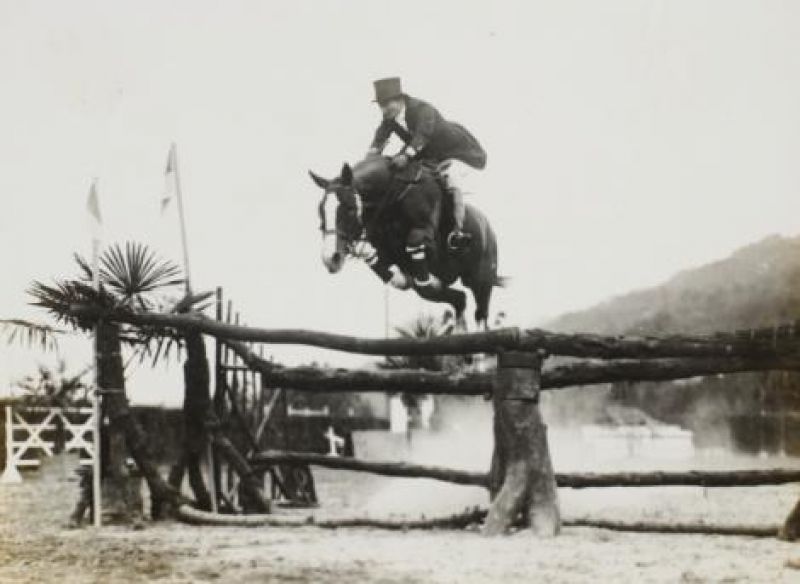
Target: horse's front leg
[(427, 285), (418, 244), (387, 272)]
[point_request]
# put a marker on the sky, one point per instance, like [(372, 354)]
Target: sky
[(627, 140)]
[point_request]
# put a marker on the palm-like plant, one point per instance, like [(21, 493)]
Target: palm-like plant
[(31, 334), (424, 326), (130, 277), (54, 387)]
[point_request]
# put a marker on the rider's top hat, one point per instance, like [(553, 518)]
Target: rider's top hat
[(386, 89)]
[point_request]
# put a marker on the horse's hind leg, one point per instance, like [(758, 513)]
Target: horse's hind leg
[(455, 298), (483, 295)]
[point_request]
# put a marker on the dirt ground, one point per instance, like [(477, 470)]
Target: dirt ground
[(36, 547)]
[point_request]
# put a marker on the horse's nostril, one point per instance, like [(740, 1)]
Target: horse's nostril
[(337, 257)]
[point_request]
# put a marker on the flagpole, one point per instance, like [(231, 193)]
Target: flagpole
[(179, 195), (386, 312), (97, 495)]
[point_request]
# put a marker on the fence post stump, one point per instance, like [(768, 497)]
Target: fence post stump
[(522, 479)]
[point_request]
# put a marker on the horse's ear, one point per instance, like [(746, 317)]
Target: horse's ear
[(347, 175), (320, 182)]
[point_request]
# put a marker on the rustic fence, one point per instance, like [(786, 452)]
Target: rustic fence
[(521, 480), (254, 414)]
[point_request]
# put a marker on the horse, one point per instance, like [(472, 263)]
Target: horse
[(404, 218)]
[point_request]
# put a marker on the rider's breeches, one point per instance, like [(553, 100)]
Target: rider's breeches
[(452, 183), (417, 249), (458, 205)]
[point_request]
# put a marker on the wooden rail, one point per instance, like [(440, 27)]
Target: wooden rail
[(458, 521), (774, 476), (429, 382), (763, 342)]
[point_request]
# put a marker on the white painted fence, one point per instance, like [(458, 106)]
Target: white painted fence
[(24, 436)]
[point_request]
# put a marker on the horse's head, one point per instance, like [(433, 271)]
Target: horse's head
[(341, 222)]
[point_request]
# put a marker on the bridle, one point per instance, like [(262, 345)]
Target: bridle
[(358, 246), (353, 244)]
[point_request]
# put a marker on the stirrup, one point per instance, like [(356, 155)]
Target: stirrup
[(458, 240)]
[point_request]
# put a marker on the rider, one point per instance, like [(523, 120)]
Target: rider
[(428, 137)]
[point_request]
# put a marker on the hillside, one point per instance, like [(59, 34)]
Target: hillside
[(758, 285)]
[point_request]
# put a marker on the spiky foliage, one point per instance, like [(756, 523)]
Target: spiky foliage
[(54, 387), (425, 326), (31, 334), (59, 297), (130, 276)]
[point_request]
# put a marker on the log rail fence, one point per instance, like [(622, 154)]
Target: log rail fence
[(521, 480)]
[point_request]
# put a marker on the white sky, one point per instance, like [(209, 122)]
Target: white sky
[(627, 140)]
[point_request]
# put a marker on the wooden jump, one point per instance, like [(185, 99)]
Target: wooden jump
[(521, 480)]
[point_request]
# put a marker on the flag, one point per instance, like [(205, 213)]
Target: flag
[(170, 178), (172, 190), (93, 207), (95, 227)]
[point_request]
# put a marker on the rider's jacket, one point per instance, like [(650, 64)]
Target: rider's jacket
[(430, 136)]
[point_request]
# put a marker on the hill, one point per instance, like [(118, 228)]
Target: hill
[(758, 285)]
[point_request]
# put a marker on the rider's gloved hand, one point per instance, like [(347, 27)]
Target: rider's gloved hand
[(400, 161)]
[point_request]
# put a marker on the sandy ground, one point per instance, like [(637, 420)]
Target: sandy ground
[(35, 547)]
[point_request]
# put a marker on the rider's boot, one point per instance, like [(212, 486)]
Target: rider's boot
[(458, 239)]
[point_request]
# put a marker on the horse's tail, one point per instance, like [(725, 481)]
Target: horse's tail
[(501, 281)]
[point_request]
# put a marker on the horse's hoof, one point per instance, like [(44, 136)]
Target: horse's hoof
[(400, 281), (432, 283)]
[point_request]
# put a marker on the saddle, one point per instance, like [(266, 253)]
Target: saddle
[(407, 178), (412, 174)]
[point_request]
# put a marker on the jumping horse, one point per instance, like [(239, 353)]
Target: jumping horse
[(402, 219)]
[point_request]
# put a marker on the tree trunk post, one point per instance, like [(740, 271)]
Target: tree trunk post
[(121, 500), (790, 531), (522, 479)]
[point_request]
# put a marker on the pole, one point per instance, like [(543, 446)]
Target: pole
[(179, 195), (10, 474), (97, 506), (97, 415)]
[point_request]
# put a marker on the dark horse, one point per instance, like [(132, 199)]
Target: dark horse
[(402, 216)]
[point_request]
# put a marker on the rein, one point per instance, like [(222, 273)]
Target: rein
[(359, 247), (390, 200)]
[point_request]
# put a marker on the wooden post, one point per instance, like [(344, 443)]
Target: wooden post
[(10, 474), (790, 531), (218, 405), (522, 481)]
